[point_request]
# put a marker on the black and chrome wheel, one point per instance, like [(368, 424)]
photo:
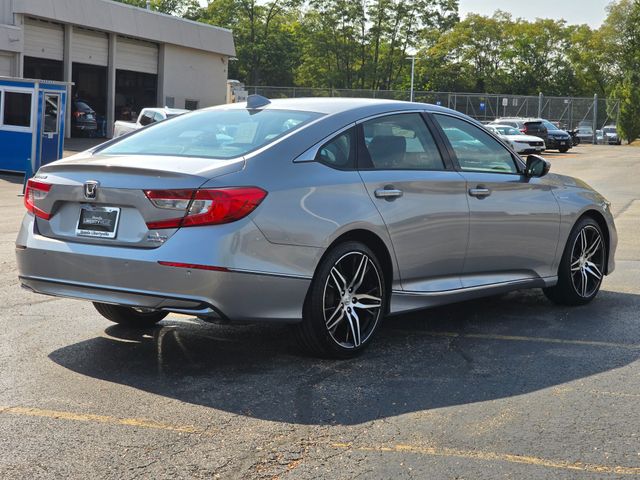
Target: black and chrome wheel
[(345, 304), (582, 267), (128, 316)]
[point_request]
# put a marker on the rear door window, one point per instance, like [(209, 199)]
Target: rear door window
[(400, 142)]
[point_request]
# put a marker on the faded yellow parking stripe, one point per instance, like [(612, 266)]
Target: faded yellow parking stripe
[(397, 448), (87, 417), (518, 338), (493, 456)]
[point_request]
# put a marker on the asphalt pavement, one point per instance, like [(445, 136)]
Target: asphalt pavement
[(505, 387)]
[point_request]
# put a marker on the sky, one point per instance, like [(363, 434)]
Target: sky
[(591, 12)]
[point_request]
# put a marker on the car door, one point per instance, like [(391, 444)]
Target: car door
[(514, 219), (421, 198)]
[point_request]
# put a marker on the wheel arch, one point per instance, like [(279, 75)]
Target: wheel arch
[(376, 244), (602, 223)]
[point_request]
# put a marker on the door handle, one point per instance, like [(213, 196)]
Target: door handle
[(479, 192), (388, 193)]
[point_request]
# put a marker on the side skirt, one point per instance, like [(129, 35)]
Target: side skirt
[(402, 301)]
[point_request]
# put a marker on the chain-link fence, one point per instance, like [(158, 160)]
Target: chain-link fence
[(568, 112)]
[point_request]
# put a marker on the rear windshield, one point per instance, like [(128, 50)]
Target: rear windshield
[(219, 134), (83, 106)]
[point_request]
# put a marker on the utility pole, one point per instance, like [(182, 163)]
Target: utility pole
[(413, 68), (595, 118), (540, 102)]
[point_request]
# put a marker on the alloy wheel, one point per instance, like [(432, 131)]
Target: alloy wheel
[(587, 261), (352, 299)]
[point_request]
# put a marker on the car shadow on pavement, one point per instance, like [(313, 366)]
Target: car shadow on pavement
[(471, 352)]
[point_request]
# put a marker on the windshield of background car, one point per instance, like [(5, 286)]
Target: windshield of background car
[(508, 131), (550, 126), (610, 130), (218, 134)]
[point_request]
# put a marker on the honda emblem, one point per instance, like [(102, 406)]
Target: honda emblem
[(91, 189)]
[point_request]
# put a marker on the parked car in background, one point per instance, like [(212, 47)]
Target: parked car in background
[(326, 213), (557, 139), (520, 142), (147, 117), (83, 118), (585, 132), (611, 135), (528, 126)]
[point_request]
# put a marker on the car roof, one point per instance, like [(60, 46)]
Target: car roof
[(517, 119), (332, 105)]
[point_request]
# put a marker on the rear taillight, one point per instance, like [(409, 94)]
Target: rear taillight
[(78, 114), (206, 206), (524, 130), (35, 192)]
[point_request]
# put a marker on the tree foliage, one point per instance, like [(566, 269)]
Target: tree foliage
[(622, 35), (183, 8), (365, 44)]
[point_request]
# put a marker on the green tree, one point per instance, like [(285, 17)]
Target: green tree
[(365, 43), (182, 8), (622, 30), (627, 92), (266, 37)]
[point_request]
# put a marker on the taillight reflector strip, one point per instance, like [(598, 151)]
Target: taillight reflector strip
[(194, 266), (205, 206), (36, 191)]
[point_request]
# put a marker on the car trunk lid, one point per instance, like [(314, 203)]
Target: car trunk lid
[(101, 199)]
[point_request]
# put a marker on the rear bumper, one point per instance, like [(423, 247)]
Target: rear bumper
[(133, 277)]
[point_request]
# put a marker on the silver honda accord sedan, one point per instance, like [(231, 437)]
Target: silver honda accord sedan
[(329, 214)]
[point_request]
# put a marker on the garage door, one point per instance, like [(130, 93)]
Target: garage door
[(90, 47), (5, 65), (136, 56), (43, 39)]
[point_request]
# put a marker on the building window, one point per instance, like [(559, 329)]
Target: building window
[(191, 104), (17, 109), (170, 102)]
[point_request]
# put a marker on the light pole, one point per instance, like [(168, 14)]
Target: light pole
[(413, 68)]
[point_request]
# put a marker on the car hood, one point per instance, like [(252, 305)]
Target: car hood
[(568, 182), (523, 138), (559, 133)]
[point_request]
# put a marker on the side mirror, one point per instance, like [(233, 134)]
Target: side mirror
[(537, 166)]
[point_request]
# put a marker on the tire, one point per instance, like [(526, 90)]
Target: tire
[(129, 317), (563, 150), (335, 322), (579, 275)]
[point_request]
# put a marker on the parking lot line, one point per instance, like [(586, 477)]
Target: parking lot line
[(518, 338), (493, 457), (396, 448), (87, 417)]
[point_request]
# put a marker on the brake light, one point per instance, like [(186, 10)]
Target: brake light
[(78, 114), (206, 206), (35, 192)]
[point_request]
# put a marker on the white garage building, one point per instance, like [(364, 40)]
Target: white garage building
[(120, 58)]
